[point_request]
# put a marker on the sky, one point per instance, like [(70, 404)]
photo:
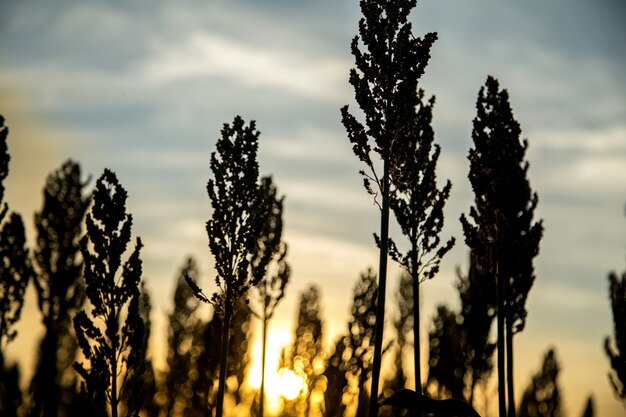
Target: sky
[(143, 88)]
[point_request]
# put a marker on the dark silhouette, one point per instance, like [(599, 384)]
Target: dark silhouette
[(418, 206), (14, 277), (402, 324), (447, 355), (183, 347), (60, 288), (147, 390), (335, 374), (240, 211), (460, 351), (4, 162), (111, 336), (206, 339), (385, 85), (143, 394), (617, 352), (205, 373), (11, 397), (478, 306), (361, 335), (15, 274), (420, 403), (503, 237), (239, 350), (542, 397), (274, 278), (194, 354)]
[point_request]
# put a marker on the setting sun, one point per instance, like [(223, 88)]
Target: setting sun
[(280, 384), (288, 384)]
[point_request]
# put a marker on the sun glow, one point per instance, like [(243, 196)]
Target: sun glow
[(288, 384), (280, 384)]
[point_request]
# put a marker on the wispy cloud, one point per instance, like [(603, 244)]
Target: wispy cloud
[(605, 140), (204, 54)]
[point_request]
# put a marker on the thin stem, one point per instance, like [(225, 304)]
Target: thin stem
[(382, 284), (509, 367), (221, 390), (501, 369), (416, 328), (114, 397), (263, 352)]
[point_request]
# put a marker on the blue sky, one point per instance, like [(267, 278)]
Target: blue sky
[(143, 88)]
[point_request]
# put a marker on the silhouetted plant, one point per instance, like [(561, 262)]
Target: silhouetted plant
[(336, 381), (59, 286), (403, 323), (478, 306), (617, 354), (4, 159), (239, 350), (418, 206), (11, 397), (183, 348), (273, 280), (460, 352), (361, 334), (205, 371), (111, 337), (143, 396), (14, 276), (503, 238), (147, 390), (15, 272), (239, 213), (542, 397), (206, 338), (385, 84), (447, 355)]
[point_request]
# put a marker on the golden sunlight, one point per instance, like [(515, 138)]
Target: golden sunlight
[(280, 384), (278, 339), (288, 384)]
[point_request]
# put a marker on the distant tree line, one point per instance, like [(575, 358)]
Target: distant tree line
[(86, 269)]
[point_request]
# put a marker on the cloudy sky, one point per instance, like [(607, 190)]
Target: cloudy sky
[(144, 87)]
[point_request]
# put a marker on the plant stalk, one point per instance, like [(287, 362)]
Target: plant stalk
[(416, 323), (501, 369), (382, 285), (264, 347), (509, 368), (221, 390), (416, 334)]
